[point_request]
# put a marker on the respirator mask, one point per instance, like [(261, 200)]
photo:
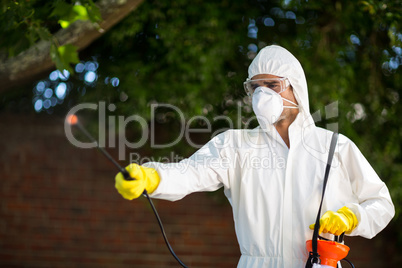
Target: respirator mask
[(267, 102)]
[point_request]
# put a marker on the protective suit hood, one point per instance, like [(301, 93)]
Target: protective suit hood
[(278, 61)]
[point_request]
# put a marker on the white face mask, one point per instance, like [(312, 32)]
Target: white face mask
[(268, 105)]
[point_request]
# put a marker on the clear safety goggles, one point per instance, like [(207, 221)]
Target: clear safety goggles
[(276, 84)]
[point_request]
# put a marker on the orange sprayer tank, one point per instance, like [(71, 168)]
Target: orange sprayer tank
[(330, 252)]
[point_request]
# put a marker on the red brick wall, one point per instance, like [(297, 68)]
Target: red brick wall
[(59, 208)]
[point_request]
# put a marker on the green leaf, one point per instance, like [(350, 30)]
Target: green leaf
[(69, 53), (78, 12), (93, 12), (69, 14), (63, 56), (55, 56)]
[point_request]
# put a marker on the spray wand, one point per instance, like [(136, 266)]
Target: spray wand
[(72, 120)]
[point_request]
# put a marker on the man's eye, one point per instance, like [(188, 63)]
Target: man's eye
[(273, 86), (254, 86)]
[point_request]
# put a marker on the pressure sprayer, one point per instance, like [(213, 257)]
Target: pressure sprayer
[(322, 252), (330, 253), (73, 120)]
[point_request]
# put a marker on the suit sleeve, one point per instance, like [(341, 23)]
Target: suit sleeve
[(374, 209), (206, 170)]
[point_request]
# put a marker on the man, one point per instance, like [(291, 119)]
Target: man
[(274, 202)]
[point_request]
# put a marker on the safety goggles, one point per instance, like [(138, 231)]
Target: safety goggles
[(276, 84)]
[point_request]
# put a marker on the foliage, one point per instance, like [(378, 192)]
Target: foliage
[(24, 23), (186, 54), (70, 13)]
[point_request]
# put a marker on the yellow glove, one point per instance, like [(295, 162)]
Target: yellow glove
[(145, 179), (336, 223)]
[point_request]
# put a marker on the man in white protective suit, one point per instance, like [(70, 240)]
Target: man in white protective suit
[(275, 203)]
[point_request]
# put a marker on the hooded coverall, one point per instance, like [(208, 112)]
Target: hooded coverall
[(274, 190)]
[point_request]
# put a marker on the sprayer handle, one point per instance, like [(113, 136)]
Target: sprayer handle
[(339, 239), (126, 175)]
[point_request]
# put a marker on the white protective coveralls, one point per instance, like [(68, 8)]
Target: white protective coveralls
[(275, 190)]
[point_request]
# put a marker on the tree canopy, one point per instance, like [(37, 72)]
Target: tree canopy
[(195, 54)]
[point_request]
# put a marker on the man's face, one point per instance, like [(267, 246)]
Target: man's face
[(286, 94)]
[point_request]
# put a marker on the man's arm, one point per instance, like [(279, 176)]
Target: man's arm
[(374, 209)]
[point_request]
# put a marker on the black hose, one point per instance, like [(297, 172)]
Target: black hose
[(349, 262), (162, 230)]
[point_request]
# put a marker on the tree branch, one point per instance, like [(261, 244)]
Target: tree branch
[(31, 64)]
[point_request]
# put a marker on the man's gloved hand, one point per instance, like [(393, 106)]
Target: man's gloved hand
[(145, 179), (336, 223)]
